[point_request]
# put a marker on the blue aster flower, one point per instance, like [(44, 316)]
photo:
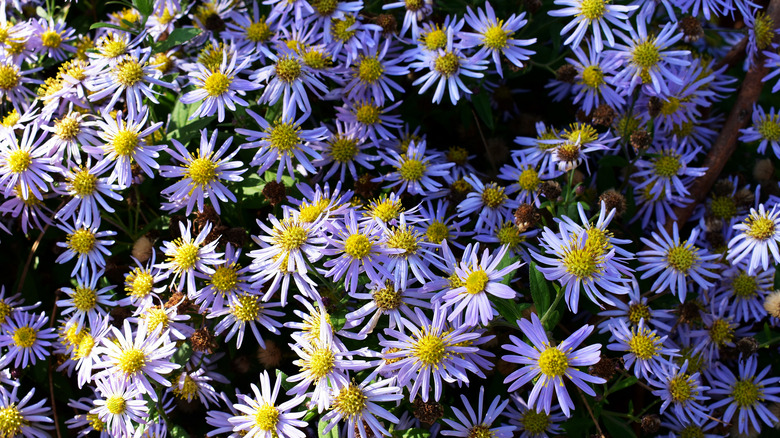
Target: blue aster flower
[(415, 170), (551, 364), (645, 348), (370, 73), (479, 421), (494, 36), (681, 390), (666, 172), (745, 395), (490, 201), (533, 422), (757, 236), (594, 83), (765, 130), (597, 15)]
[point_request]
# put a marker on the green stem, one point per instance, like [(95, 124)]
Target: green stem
[(558, 295)]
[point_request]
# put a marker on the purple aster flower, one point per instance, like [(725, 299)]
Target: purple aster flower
[(533, 422), (52, 39), (370, 120), (185, 255), (228, 281), (281, 142), (344, 150), (490, 201), (288, 78), (370, 73), (682, 390), (30, 419), (551, 363), (441, 224), (667, 172), (445, 67), (477, 423), (765, 129), (125, 144), (385, 299), (131, 76), (494, 37), (594, 83), (410, 251), (644, 348), (709, 8), (68, 134), (136, 359), (88, 187), (577, 141), (635, 310), (432, 350), (84, 304), (120, 406), (202, 174), (717, 331), (745, 396), (756, 237), (14, 84), (357, 405), (416, 10), (140, 281), (247, 310), (219, 87), (414, 170), (676, 261), (24, 163), (26, 338), (87, 245), (477, 278), (746, 292), (263, 417), (251, 31), (598, 15), (357, 249), (646, 56)]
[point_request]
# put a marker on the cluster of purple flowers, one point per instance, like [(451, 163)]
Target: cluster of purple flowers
[(390, 265)]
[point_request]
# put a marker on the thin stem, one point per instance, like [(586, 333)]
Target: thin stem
[(590, 412), (559, 294)]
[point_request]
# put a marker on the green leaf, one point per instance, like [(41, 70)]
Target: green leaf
[(509, 309), (177, 37), (273, 112), (253, 185), (178, 432), (540, 290), (333, 433), (413, 433), (623, 384), (482, 107), (506, 261), (183, 354), (285, 384), (144, 7), (617, 426)]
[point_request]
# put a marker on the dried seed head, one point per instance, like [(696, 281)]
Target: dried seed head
[(550, 190), (614, 200), (691, 28), (566, 73), (275, 193), (604, 115), (640, 140)]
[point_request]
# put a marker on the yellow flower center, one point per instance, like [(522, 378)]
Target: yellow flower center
[(139, 283), (343, 149), (51, 39), (125, 142), (681, 257), (593, 76), (84, 183), (760, 228), (447, 64), (553, 362), (495, 37), (225, 278), (723, 207), (284, 137), (11, 422), (85, 298), (116, 404), (692, 431), (288, 69), (646, 55), (370, 70), (186, 256), (357, 246), (437, 232), (94, 422), (19, 161), (681, 388), (320, 362), (480, 431), (746, 393), (25, 337), (157, 317), (414, 5), (185, 390), (593, 9), (430, 350), (5, 310), (67, 128), (385, 209), (493, 196), (581, 263), (246, 308), (744, 285), (211, 56), (81, 241), (764, 29), (310, 213), (325, 7), (9, 77), (292, 237), (131, 361), (644, 344), (412, 170), (367, 114), (350, 401), (476, 282), (11, 119), (387, 298), (435, 39), (667, 166), (112, 48), (316, 59), (721, 332), (84, 347), (637, 312), (769, 127), (202, 171), (529, 179), (339, 28), (267, 417), (258, 32), (508, 234), (535, 422), (217, 84), (129, 72), (406, 239)]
